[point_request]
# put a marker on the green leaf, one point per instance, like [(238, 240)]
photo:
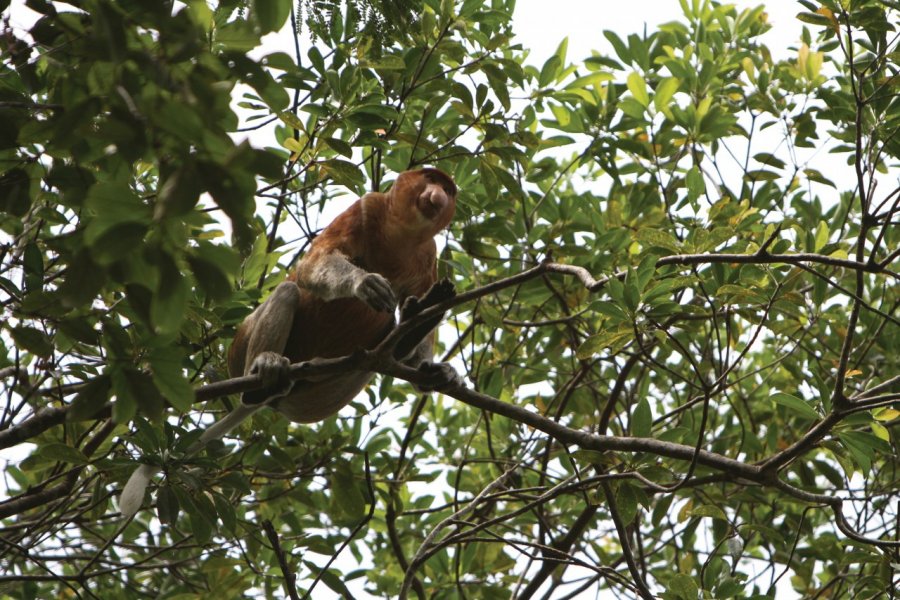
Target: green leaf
[(632, 294), (683, 586), (238, 35), (62, 453), (645, 271), (169, 378), (657, 238), (340, 146), (178, 193), (696, 184), (562, 50), (32, 340), (814, 175), (134, 390), (769, 160), (292, 121), (814, 19), (15, 192), (761, 175), (735, 294), (260, 79), (627, 502), (214, 267), (344, 173), (707, 240), (167, 507), (709, 510), (334, 583), (619, 46), (90, 400), (226, 513), (33, 261), (388, 62), (347, 496), (822, 234), (612, 340), (664, 93), (168, 304), (862, 447), (880, 431), (590, 80), (798, 405), (83, 280), (201, 528), (611, 310), (641, 419), (271, 14), (119, 220), (549, 71), (638, 88), (886, 414)]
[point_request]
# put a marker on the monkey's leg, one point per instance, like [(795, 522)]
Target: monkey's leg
[(418, 344), (268, 338), (416, 348)]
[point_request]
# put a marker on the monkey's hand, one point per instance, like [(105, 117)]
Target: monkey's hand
[(376, 291), (274, 370), (439, 375)]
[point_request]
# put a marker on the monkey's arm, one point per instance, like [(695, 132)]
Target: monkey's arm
[(331, 275)]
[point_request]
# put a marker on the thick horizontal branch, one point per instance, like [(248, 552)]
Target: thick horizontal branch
[(733, 469), (45, 418), (41, 421), (50, 417), (699, 259), (310, 369), (766, 258), (33, 498), (584, 439)]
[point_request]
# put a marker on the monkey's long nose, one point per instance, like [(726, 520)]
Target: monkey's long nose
[(433, 200)]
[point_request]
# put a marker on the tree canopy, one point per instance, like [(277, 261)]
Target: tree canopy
[(677, 310)]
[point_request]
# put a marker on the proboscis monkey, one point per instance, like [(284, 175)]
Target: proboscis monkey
[(341, 297)]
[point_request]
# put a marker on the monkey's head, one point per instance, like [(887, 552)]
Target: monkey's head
[(425, 200)]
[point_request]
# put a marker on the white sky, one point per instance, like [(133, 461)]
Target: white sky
[(540, 25)]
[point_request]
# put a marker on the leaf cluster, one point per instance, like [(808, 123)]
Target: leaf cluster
[(677, 313)]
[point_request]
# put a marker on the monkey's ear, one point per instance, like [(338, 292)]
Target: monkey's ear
[(437, 293)]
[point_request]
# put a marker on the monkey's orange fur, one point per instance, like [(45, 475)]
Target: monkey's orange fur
[(391, 235), (340, 298)]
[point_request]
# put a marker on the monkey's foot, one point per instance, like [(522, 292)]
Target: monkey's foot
[(439, 376), (274, 371), (437, 293)]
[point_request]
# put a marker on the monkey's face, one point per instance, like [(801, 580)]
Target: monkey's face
[(427, 197)]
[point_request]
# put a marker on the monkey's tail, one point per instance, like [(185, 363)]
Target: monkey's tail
[(222, 427), (133, 493)]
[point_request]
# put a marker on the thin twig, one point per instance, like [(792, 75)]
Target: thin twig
[(290, 578)]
